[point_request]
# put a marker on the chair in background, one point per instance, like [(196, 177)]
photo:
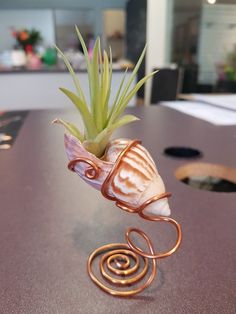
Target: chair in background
[(190, 79), (165, 85)]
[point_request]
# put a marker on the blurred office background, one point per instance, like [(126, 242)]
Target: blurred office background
[(193, 43)]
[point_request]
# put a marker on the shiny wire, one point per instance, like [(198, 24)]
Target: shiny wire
[(121, 259)]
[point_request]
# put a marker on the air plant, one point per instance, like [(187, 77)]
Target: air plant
[(121, 169), (100, 118)]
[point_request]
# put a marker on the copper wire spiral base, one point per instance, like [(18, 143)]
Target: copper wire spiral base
[(120, 263), (116, 260)]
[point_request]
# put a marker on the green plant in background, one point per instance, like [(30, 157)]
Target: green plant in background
[(229, 68), (27, 37), (100, 120)]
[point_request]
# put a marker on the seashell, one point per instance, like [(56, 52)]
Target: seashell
[(74, 150), (130, 178)]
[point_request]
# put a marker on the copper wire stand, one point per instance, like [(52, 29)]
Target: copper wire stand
[(116, 266)]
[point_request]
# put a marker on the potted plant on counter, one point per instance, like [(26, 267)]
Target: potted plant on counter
[(227, 74), (122, 169), (27, 39)]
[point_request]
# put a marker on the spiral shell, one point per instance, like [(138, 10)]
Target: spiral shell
[(126, 175)]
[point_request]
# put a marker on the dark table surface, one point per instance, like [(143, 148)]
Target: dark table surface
[(51, 221)]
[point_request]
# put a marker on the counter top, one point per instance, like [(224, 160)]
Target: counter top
[(51, 221), (46, 70)]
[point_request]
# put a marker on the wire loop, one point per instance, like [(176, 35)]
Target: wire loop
[(125, 264)]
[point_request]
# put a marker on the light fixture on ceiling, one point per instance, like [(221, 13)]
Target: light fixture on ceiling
[(211, 1)]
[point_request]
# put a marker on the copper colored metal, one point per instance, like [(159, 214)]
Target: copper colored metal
[(119, 250), (91, 173), (121, 259)]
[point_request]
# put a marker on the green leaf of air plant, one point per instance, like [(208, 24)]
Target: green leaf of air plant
[(74, 77), (100, 122), (131, 79), (106, 108), (117, 95), (93, 73), (95, 101), (98, 145), (86, 55), (106, 133), (131, 94), (101, 74), (86, 115), (122, 121), (85, 51), (105, 86), (71, 128)]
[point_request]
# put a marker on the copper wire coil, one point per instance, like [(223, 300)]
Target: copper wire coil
[(115, 254), (91, 173), (117, 259), (120, 255)]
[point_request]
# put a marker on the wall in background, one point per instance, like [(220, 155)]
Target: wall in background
[(97, 5), (114, 20), (217, 39), (63, 4), (65, 21), (42, 20), (114, 29), (159, 15)]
